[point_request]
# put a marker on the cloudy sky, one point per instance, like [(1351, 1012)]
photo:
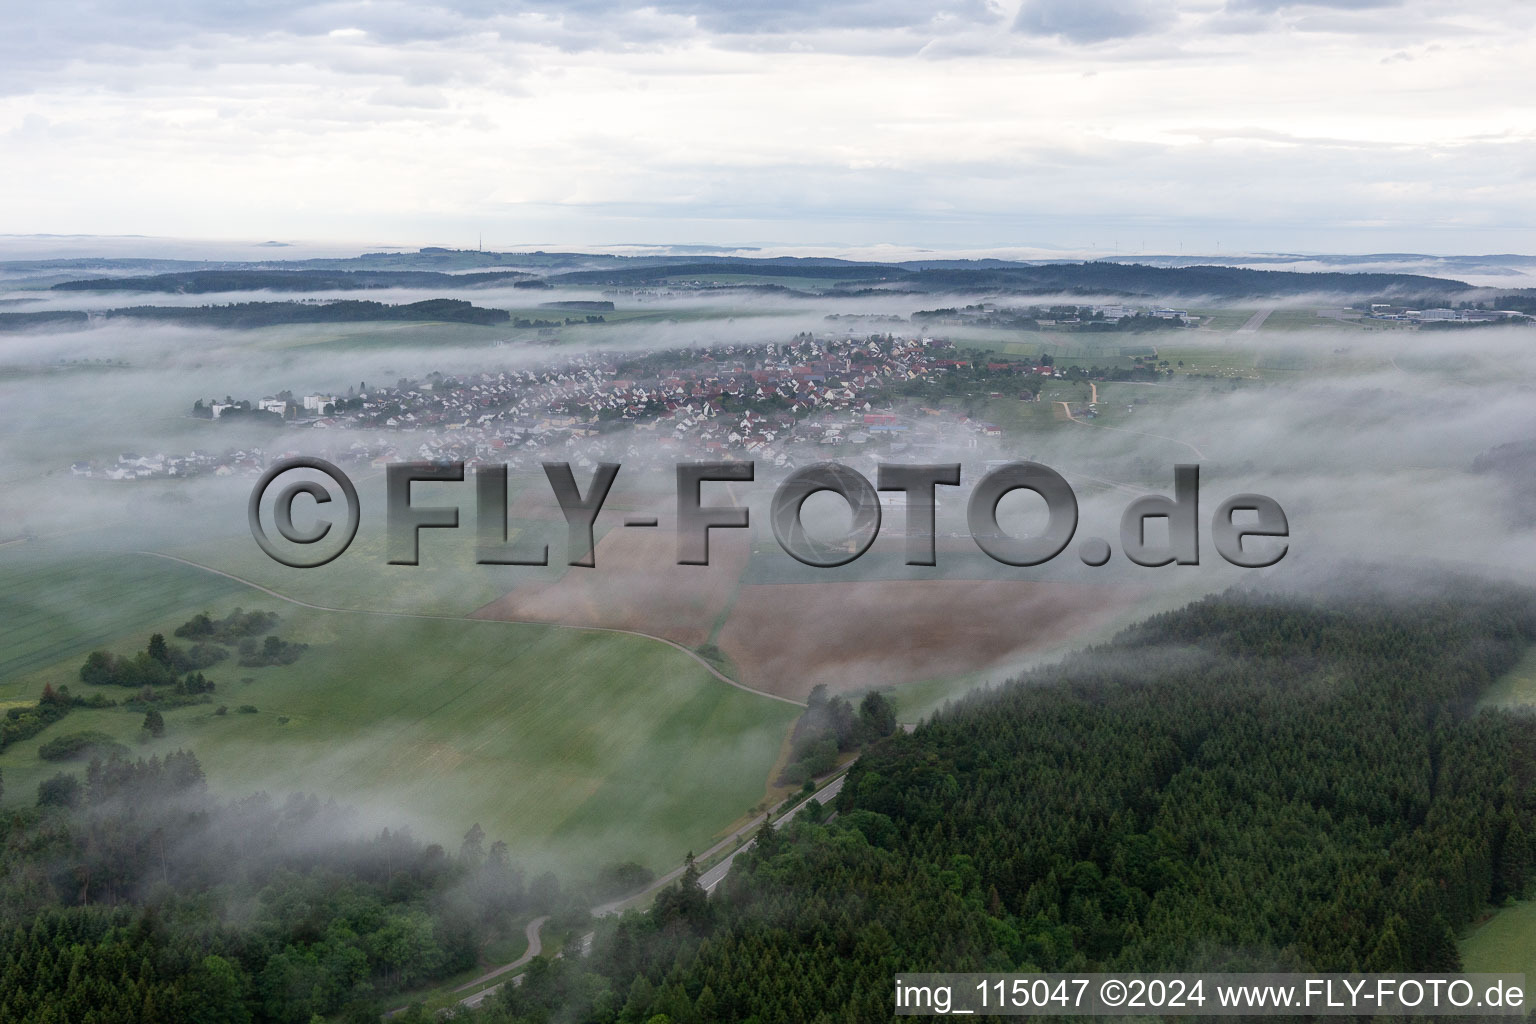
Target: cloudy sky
[(1084, 125)]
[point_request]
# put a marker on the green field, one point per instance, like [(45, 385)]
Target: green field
[(55, 610), (1516, 688), (1505, 943), (446, 582), (1222, 318), (583, 747)]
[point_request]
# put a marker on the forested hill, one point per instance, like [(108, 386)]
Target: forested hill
[(1090, 277), (1248, 783), (204, 281), (267, 314), (811, 275)]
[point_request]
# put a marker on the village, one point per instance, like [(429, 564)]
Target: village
[(781, 404)]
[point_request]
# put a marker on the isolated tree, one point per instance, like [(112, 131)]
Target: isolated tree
[(60, 791), (99, 668), (154, 724), (472, 851), (498, 855), (877, 715), (158, 650)]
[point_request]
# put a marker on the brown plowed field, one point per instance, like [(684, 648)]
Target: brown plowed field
[(637, 584), (787, 637)]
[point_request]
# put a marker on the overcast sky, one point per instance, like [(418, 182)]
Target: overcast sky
[(1137, 125)]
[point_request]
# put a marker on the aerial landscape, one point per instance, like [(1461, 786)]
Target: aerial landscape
[(486, 536)]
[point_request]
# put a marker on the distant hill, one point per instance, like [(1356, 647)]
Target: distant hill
[(43, 318), (997, 275), (267, 314), (429, 268), (203, 281)]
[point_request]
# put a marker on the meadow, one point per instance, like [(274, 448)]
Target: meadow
[(1517, 688), (1505, 943), (577, 747)]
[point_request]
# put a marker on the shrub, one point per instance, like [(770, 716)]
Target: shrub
[(62, 790), (79, 744)]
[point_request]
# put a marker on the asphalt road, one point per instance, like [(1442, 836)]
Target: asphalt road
[(708, 880), (1256, 321), (535, 947), (711, 878)]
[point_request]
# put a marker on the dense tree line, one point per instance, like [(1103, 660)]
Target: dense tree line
[(273, 650), (1001, 277), (27, 720), (1247, 784), (135, 897), (78, 745), (829, 727), (235, 626), (56, 318)]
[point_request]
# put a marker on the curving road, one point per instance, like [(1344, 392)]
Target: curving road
[(535, 947)]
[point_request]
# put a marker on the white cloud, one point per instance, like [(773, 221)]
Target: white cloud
[(1256, 123), (1093, 21)]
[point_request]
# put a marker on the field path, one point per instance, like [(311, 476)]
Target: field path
[(711, 669), (535, 947)]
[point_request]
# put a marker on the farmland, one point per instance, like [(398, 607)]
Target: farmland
[(580, 745), (789, 637)]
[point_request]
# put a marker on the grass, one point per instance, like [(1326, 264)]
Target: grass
[(351, 337), (445, 582), (56, 610), (1504, 944), (1221, 319), (586, 747), (1517, 687), (508, 949), (1304, 320)]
